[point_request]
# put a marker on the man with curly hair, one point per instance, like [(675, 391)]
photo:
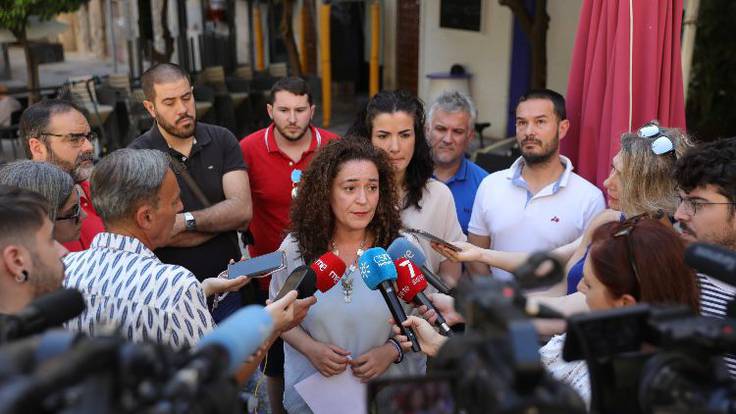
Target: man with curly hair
[(706, 177)]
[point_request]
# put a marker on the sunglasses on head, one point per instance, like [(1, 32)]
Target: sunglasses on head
[(74, 215), (661, 144), (625, 231)]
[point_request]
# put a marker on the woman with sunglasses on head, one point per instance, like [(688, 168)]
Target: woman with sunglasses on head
[(394, 122), (640, 182), (621, 269), (56, 186)]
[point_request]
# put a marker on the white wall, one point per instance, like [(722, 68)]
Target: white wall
[(487, 54), (563, 25)]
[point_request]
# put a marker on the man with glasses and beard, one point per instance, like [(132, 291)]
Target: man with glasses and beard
[(30, 258), (706, 179), (276, 157), (538, 203), (209, 169), (57, 131)]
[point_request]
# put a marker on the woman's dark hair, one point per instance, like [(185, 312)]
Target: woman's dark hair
[(421, 165), (312, 220), (658, 253)]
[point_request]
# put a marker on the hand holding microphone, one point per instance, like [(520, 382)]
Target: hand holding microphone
[(378, 271), (411, 284), (429, 339)]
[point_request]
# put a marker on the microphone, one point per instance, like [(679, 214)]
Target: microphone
[(328, 270), (411, 284), (45, 312), (223, 350), (402, 247), (377, 272), (321, 275), (712, 260)]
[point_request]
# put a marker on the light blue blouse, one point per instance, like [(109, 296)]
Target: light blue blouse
[(357, 326)]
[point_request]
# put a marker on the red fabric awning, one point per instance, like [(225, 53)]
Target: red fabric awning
[(599, 103)]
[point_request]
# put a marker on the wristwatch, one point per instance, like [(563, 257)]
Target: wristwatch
[(191, 223)]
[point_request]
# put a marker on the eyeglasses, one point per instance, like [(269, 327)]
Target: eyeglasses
[(625, 231), (75, 214), (76, 140), (691, 206), (662, 144)]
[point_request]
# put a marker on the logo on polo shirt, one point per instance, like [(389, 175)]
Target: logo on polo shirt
[(555, 219)]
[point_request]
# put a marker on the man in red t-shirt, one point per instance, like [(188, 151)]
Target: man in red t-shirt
[(57, 131), (276, 157)]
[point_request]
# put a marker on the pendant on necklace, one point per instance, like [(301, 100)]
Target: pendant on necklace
[(347, 289)]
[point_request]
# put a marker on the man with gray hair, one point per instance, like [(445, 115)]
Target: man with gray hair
[(137, 196), (450, 128)]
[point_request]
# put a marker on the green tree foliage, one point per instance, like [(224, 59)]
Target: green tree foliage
[(14, 17), (711, 103)]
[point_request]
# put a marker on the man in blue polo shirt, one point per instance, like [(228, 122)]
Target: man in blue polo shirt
[(450, 129)]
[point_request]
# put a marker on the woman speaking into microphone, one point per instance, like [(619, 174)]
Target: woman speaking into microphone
[(346, 204)]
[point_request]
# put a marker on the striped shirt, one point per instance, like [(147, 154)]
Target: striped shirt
[(714, 298), (126, 285)]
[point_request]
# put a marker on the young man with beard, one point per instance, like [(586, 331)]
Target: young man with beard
[(57, 131), (538, 203), (706, 177), (450, 128), (276, 157), (30, 258), (204, 237)]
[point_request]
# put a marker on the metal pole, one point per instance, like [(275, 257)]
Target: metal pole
[(375, 45), (111, 47), (324, 43), (690, 26)]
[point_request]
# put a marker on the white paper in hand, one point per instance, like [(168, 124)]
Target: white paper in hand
[(338, 394)]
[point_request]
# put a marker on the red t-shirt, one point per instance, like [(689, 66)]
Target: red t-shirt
[(90, 225), (269, 172)]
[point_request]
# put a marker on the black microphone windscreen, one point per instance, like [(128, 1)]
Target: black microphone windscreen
[(715, 261), (59, 306)]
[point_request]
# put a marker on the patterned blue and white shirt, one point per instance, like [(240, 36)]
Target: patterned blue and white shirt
[(125, 284)]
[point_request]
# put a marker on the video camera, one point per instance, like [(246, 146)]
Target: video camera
[(645, 359), (496, 366), (59, 371), (655, 359)]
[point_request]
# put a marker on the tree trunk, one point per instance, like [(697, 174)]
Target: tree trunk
[(31, 68), (287, 34), (310, 39)]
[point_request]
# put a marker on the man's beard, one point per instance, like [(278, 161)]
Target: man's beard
[(547, 152), (296, 137), (726, 237), (45, 279), (79, 172), (179, 132)]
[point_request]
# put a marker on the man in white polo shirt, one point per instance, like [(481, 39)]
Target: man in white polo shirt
[(538, 203)]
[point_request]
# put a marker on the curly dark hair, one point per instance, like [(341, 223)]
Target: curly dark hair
[(421, 165), (312, 221), (710, 163)]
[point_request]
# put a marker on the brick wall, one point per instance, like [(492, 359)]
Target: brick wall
[(407, 45)]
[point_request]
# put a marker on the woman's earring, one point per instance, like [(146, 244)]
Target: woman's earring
[(22, 277)]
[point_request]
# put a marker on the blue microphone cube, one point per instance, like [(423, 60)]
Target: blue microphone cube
[(376, 267)]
